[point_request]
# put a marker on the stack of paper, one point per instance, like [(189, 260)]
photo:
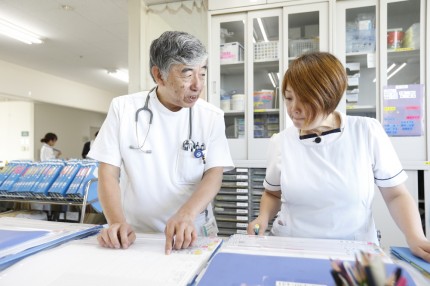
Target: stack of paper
[(20, 237)]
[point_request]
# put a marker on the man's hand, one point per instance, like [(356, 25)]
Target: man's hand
[(118, 235), (180, 232)]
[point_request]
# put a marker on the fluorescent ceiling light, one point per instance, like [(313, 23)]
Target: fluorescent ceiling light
[(388, 70), (119, 74), (18, 33), (396, 71), (273, 79), (262, 29)]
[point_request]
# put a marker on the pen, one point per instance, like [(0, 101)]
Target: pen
[(256, 229)]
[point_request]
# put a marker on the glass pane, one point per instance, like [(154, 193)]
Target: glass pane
[(403, 42), (303, 33), (266, 76), (232, 78), (360, 61)]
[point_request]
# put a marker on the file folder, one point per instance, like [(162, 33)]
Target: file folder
[(405, 254), (42, 235), (10, 238), (228, 268)]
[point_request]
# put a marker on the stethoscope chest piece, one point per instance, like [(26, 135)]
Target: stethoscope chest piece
[(188, 145)]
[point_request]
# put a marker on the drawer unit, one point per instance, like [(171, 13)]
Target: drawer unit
[(238, 201)]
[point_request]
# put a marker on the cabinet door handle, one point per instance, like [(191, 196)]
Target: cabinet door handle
[(214, 87)]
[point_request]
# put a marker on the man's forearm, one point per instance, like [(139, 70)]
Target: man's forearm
[(207, 189)]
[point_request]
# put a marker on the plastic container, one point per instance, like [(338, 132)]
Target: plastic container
[(263, 99), (238, 102), (225, 102), (395, 39)]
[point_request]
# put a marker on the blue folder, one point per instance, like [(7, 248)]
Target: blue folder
[(246, 269), (10, 238), (405, 254), (8, 260)]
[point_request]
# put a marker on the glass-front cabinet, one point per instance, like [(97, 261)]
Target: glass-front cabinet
[(264, 103), (249, 52), (244, 78), (227, 86), (402, 78), (380, 44), (356, 45)]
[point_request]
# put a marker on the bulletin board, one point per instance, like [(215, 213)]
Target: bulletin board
[(403, 110)]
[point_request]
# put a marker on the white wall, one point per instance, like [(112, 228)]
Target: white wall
[(24, 83), (16, 118), (72, 126), (154, 20)]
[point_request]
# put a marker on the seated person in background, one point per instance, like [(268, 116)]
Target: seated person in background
[(162, 154), (87, 146), (321, 172), (47, 151)]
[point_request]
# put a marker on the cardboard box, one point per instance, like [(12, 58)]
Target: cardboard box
[(294, 33), (312, 31)]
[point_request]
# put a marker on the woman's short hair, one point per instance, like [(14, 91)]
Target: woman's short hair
[(319, 80)]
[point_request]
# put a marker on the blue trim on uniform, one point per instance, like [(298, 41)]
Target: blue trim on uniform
[(271, 184), (390, 177)]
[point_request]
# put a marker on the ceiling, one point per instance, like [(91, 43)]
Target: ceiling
[(80, 43)]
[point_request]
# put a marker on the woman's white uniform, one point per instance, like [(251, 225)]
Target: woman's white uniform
[(157, 179), (47, 152), (328, 187)]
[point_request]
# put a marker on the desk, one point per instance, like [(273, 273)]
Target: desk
[(83, 262)]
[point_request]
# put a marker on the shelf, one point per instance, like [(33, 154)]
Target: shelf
[(50, 201), (234, 68), (234, 113), (266, 111), (360, 108), (269, 66), (398, 54), (403, 55), (75, 200)]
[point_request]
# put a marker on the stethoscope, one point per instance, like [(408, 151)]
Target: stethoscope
[(198, 150)]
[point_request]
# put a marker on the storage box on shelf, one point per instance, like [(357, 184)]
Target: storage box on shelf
[(266, 51), (264, 99), (231, 53), (411, 39), (301, 46)]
